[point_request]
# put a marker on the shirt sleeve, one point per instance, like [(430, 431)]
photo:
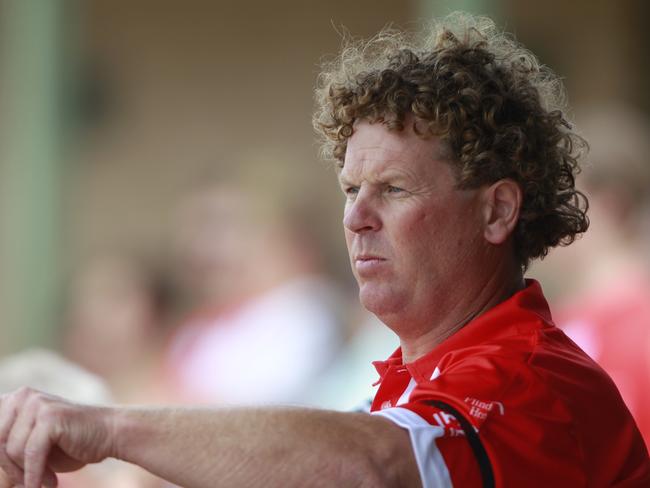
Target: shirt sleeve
[(443, 453)]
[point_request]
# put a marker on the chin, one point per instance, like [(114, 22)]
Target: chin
[(379, 303)]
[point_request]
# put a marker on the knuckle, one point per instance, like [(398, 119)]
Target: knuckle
[(29, 403), (24, 392), (9, 403), (48, 414), (15, 452)]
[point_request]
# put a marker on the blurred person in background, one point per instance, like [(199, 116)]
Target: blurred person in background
[(349, 384), (265, 321), (117, 315), (457, 165), (603, 304)]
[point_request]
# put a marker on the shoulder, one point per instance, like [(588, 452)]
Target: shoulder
[(538, 403)]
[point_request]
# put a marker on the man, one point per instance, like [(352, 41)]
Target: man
[(458, 170)]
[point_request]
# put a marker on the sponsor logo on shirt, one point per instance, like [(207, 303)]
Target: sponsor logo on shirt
[(479, 409)]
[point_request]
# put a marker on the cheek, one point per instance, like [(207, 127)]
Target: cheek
[(349, 236), (434, 236), (430, 226), (416, 235), (349, 242)]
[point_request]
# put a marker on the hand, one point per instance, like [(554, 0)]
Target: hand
[(42, 434)]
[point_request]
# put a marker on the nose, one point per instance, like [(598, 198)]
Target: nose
[(361, 214)]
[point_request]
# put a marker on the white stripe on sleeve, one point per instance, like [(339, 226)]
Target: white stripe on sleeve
[(431, 464)]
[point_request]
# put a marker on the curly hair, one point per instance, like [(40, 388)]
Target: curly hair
[(500, 112)]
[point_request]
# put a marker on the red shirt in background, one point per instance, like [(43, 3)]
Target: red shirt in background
[(612, 325)]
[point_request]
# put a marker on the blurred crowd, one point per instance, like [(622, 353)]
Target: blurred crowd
[(242, 309)]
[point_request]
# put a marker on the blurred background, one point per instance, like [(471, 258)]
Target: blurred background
[(165, 221)]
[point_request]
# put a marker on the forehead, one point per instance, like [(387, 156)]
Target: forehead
[(376, 146)]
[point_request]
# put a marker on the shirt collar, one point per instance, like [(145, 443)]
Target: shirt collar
[(520, 310)]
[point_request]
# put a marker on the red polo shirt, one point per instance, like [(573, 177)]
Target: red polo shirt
[(510, 400)]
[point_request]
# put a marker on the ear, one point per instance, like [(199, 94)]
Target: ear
[(502, 201)]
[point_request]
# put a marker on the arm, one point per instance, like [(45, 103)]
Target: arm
[(196, 448)]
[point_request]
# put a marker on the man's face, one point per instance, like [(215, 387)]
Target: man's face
[(410, 233)]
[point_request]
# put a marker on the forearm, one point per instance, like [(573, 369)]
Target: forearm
[(201, 448), (285, 447)]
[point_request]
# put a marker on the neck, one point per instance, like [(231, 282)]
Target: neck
[(475, 301)]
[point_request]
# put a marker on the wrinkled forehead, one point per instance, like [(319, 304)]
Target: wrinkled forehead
[(377, 143), (415, 136)]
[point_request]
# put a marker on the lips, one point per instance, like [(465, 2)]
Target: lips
[(368, 257), (366, 264)]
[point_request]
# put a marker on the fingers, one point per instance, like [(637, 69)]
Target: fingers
[(11, 471), (22, 426), (8, 413), (5, 481), (40, 433), (24, 441), (37, 448)]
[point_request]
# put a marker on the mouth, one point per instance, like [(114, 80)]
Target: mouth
[(367, 265), (368, 257)]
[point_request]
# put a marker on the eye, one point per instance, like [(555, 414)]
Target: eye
[(351, 191), (394, 189)]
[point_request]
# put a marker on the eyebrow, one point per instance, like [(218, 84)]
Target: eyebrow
[(384, 176), (343, 180)]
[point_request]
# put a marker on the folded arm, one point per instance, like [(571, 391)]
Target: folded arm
[(196, 448)]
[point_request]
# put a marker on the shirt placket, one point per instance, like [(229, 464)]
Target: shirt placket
[(391, 388)]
